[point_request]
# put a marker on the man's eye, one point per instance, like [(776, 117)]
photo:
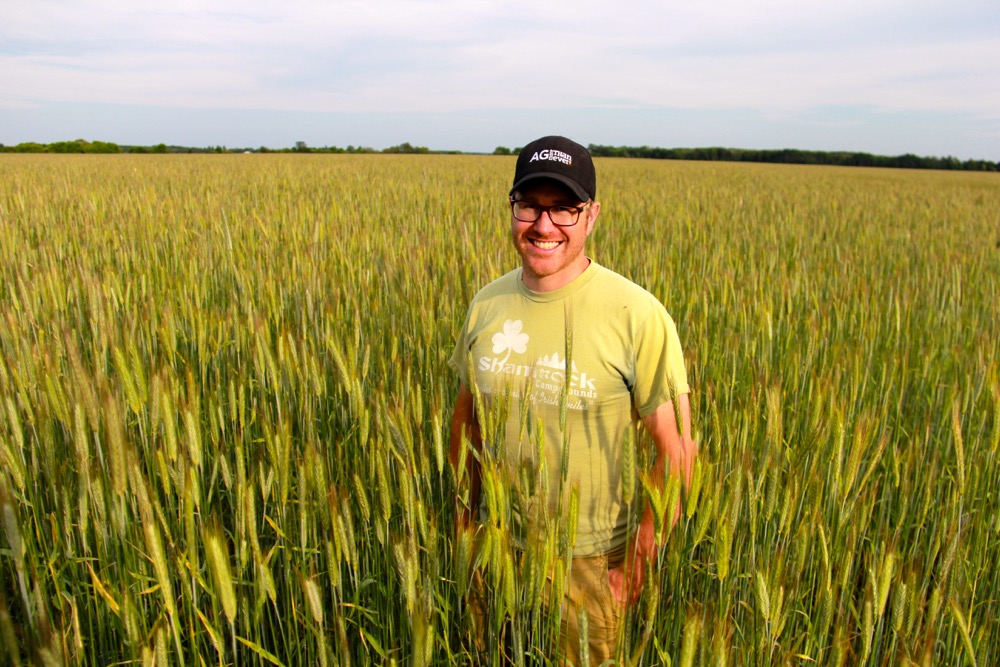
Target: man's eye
[(561, 209)]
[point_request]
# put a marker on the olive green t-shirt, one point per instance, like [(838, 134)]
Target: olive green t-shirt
[(623, 353)]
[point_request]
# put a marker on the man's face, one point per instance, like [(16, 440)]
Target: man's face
[(551, 256)]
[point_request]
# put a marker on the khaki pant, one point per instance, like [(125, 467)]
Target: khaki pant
[(586, 592)]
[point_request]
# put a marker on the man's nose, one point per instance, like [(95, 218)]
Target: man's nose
[(544, 220)]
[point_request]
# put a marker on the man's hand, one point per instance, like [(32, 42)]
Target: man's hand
[(626, 580), (675, 454), (465, 426), (625, 591)]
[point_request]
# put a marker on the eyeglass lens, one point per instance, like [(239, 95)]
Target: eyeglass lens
[(559, 215)]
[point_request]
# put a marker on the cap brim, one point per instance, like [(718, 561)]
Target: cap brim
[(568, 182)]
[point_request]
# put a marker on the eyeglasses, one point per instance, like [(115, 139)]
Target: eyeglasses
[(560, 215)]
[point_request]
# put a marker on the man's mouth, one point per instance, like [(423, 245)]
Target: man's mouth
[(544, 245)]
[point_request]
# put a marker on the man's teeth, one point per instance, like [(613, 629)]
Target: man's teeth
[(545, 245)]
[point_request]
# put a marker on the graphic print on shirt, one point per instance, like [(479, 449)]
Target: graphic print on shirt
[(544, 376)]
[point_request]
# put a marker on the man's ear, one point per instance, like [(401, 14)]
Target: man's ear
[(592, 212)]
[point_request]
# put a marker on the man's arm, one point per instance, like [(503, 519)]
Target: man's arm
[(465, 425), (675, 446)]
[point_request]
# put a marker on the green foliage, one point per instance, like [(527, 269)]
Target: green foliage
[(29, 147), (102, 147), (406, 148), (78, 146)]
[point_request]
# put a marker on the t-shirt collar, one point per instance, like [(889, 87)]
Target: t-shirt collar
[(574, 286)]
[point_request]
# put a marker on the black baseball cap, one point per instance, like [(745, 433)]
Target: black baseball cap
[(558, 158)]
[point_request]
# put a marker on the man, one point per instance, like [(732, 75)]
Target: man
[(567, 354)]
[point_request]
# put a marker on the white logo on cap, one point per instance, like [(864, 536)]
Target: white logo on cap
[(552, 154)]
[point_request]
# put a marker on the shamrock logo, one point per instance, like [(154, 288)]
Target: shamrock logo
[(512, 339)]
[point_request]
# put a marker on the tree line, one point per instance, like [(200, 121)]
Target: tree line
[(794, 156), (84, 146), (78, 146), (716, 154)]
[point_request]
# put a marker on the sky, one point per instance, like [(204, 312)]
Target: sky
[(880, 76)]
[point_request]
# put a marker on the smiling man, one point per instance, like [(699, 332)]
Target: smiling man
[(568, 355)]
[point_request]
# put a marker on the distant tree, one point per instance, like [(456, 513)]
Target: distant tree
[(862, 160), (501, 150), (77, 146), (159, 148), (406, 147), (30, 147), (103, 147), (300, 147)]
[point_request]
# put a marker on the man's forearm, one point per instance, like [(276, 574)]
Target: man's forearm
[(675, 453), (463, 447)]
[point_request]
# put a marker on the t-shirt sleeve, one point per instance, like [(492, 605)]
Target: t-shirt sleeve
[(659, 363)]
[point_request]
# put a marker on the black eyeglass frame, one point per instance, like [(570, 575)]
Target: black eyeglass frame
[(548, 209)]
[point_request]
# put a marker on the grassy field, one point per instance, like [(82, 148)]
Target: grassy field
[(224, 403)]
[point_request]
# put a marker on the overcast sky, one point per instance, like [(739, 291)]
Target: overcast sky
[(882, 76)]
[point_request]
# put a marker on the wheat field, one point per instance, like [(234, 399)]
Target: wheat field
[(224, 404)]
